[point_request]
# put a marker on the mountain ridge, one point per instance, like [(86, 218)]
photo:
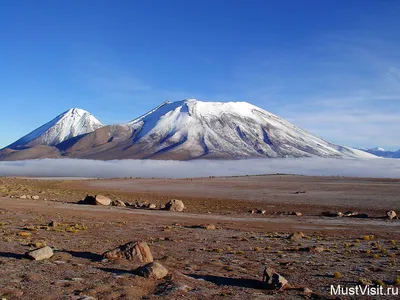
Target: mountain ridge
[(190, 129)]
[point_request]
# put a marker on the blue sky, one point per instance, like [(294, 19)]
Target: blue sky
[(330, 67)]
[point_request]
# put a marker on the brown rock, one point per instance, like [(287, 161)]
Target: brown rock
[(274, 280), (22, 197), (296, 236), (131, 251), (175, 205), (209, 227), (35, 197), (152, 270), (152, 206)]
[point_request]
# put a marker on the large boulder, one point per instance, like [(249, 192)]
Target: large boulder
[(103, 200), (273, 280), (152, 270), (175, 205), (391, 214), (40, 254), (134, 251)]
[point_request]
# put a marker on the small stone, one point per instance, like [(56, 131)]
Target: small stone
[(53, 224), (391, 214), (118, 203), (296, 236), (332, 214), (175, 205), (308, 292), (152, 206), (274, 280), (40, 254), (152, 270), (22, 197), (209, 227), (139, 251), (35, 197)]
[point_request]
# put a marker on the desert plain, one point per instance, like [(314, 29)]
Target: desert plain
[(217, 248)]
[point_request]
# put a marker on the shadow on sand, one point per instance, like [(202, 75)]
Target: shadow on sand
[(11, 255), (84, 254), (238, 282)]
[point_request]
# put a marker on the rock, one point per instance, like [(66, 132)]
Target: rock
[(298, 214), (351, 213), (296, 236), (391, 214), (361, 216), (40, 254), (35, 197), (152, 270), (273, 280), (152, 206), (28, 197), (308, 292), (53, 224), (332, 214), (102, 200), (118, 203), (253, 211), (175, 205), (131, 251), (22, 197), (209, 227), (316, 249)]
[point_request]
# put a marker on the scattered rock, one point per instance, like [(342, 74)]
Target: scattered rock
[(209, 227), (40, 254), (118, 203), (391, 214), (308, 292), (152, 206), (152, 270), (35, 197), (53, 224), (175, 205), (333, 214), (351, 213), (274, 280), (131, 251), (22, 197), (296, 236)]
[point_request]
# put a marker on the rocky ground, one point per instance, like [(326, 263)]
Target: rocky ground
[(214, 249)]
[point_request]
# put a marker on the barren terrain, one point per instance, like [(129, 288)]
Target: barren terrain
[(221, 263)]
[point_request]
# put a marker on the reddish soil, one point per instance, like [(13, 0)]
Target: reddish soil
[(225, 263)]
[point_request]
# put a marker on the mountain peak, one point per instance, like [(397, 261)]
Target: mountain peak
[(70, 123)]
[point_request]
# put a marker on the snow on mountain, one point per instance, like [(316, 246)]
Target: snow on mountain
[(69, 124), (197, 129)]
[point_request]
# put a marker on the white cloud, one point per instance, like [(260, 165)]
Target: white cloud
[(379, 167)]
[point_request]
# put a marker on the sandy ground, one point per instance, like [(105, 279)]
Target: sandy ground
[(225, 263)]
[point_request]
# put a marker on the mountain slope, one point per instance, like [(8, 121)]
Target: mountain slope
[(67, 125), (191, 129)]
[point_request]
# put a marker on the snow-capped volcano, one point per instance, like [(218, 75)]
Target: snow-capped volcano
[(71, 123), (181, 130), (194, 129)]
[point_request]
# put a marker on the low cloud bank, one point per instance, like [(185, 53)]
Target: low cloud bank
[(385, 168)]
